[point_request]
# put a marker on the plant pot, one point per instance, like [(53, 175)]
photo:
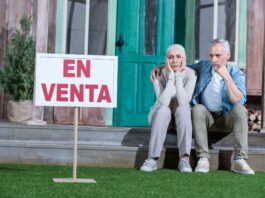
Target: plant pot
[(19, 111)]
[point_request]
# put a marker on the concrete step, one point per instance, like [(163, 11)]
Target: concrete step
[(100, 146), (88, 134), (256, 141)]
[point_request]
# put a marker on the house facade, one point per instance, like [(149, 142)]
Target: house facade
[(138, 32)]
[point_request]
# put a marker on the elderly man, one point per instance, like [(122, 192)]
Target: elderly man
[(174, 89), (218, 100)]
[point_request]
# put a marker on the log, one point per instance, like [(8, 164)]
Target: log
[(259, 117), (252, 117), (255, 126)]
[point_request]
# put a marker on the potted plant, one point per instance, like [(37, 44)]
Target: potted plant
[(17, 75)]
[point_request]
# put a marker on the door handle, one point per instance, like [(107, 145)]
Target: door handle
[(120, 42)]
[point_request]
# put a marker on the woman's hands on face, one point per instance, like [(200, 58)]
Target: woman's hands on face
[(183, 64), (180, 68), (168, 67), (170, 70), (157, 70)]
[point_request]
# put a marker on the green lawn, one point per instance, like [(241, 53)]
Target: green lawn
[(36, 181)]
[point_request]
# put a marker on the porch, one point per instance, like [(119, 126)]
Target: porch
[(110, 146)]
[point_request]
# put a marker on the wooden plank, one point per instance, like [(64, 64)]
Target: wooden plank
[(2, 30), (92, 116), (10, 13), (41, 47), (52, 26), (34, 18), (2, 47), (63, 115), (49, 111), (15, 9), (263, 90), (255, 38)]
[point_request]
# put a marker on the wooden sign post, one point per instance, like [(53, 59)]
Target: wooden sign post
[(75, 81), (74, 179)]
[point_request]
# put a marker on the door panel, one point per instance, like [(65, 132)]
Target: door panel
[(139, 54)]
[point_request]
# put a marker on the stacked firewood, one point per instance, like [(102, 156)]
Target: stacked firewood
[(254, 119)]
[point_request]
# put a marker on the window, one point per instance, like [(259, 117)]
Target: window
[(150, 27), (87, 27), (216, 19)]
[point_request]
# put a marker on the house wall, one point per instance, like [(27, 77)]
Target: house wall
[(10, 14), (255, 40), (12, 10)]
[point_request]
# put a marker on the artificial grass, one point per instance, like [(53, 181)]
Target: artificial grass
[(36, 181)]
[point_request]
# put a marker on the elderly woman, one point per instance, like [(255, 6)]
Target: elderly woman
[(174, 89)]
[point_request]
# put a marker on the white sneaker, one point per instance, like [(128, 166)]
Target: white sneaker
[(241, 166), (149, 165), (184, 166), (202, 165)]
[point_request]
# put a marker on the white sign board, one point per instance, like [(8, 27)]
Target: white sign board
[(75, 80)]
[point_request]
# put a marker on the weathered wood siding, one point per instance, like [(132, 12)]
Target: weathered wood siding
[(2, 46), (255, 40), (10, 14)]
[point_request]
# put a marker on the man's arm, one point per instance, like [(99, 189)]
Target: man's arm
[(234, 93), (156, 72)]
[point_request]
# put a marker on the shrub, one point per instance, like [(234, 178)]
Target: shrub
[(17, 76)]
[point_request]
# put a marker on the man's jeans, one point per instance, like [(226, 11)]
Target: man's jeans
[(235, 121)]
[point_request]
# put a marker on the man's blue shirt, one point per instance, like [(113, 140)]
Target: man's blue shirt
[(204, 75)]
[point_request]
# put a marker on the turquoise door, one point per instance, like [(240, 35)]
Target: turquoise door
[(145, 28)]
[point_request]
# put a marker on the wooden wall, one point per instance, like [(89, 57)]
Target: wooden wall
[(10, 14), (12, 10), (255, 40), (2, 45)]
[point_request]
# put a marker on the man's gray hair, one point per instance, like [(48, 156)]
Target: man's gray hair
[(178, 47), (223, 41)]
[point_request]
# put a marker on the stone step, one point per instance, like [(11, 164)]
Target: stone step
[(256, 141), (91, 134), (101, 146), (61, 153)]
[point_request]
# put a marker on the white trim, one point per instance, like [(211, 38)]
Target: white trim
[(87, 26), (64, 32), (215, 18), (237, 30)]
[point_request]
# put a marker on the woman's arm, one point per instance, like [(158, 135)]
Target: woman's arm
[(167, 87), (184, 90)]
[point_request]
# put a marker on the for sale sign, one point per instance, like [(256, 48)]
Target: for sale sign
[(75, 80)]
